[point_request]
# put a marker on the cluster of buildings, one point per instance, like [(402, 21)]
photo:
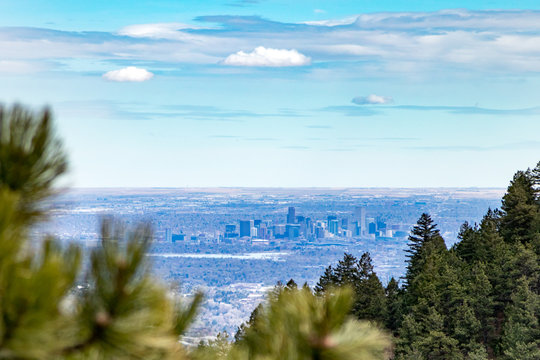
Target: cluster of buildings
[(298, 227)]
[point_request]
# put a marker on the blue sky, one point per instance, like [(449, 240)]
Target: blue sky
[(280, 93)]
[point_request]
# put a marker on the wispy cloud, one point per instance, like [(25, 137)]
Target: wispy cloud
[(348, 110), (148, 112), (170, 31), (372, 100), (522, 145), (401, 42), (470, 110)]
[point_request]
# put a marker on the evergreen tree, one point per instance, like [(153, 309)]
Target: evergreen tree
[(123, 314), (394, 305), (297, 324), (423, 233), (239, 336), (326, 281), (520, 207), (370, 299), (521, 331), (31, 159), (291, 285)]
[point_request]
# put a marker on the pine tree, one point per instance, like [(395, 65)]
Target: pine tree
[(215, 349), (394, 305), (123, 314), (31, 159), (521, 331), (370, 299), (239, 336), (297, 324), (520, 207), (423, 233), (326, 281)]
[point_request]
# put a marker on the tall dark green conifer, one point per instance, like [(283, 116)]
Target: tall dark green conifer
[(519, 222), (423, 233), (358, 274), (521, 330)]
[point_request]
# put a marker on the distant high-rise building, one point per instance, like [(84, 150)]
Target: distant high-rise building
[(319, 232), (330, 218), (168, 235), (279, 231), (291, 215), (333, 226), (245, 227), (292, 231), (346, 233), (345, 223), (360, 217), (262, 232), (309, 226), (257, 223), (372, 228)]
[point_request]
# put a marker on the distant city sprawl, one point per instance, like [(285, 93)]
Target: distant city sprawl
[(237, 243)]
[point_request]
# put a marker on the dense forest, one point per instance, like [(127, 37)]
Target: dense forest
[(477, 300), (480, 299)]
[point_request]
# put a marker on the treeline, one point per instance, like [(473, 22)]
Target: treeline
[(480, 299)]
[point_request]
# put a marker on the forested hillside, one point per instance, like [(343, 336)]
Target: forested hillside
[(480, 299)]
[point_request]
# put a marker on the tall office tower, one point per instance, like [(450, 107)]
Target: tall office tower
[(309, 226), (291, 216), (372, 228), (245, 227), (330, 218), (168, 235), (360, 217), (345, 223), (319, 232), (333, 226)]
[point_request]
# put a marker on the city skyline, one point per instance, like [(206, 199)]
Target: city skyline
[(241, 93)]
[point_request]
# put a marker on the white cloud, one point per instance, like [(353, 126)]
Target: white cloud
[(372, 100), (130, 73), (262, 56)]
